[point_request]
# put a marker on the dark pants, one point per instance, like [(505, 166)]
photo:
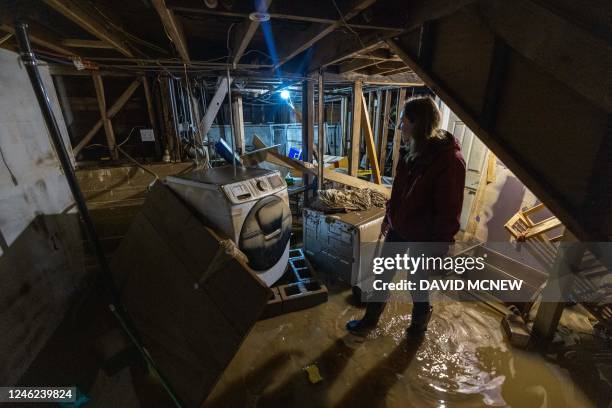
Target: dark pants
[(393, 245)]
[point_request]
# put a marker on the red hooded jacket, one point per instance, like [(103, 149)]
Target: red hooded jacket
[(427, 194)]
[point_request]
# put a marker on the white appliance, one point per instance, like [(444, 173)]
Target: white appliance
[(251, 208)]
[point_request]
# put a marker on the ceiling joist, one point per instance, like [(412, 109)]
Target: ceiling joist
[(76, 12), (245, 32), (306, 39), (173, 28)]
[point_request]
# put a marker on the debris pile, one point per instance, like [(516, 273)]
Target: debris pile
[(334, 200)]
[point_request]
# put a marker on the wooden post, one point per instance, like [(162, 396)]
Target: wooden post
[(307, 129), (376, 120), (355, 147), (239, 124), (554, 295), (397, 133), (321, 133), (382, 148), (370, 146), (108, 126), (110, 113), (151, 112), (343, 122)]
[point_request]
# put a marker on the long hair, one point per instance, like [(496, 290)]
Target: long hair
[(423, 112)]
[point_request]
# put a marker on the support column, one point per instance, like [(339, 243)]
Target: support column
[(239, 124), (382, 145), (321, 133), (554, 296), (397, 133), (355, 146), (307, 130)]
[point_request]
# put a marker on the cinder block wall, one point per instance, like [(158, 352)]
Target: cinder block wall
[(40, 248)]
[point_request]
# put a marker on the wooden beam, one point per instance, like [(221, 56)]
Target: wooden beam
[(282, 15), (238, 115), (397, 133), (358, 63), (76, 11), (110, 113), (321, 131), (523, 170), (214, 106), (173, 28), (556, 292), (570, 53), (78, 43), (308, 114), (309, 169), (43, 37), (355, 147), (370, 145), (345, 45), (384, 131), (306, 39), (108, 126), (245, 31)]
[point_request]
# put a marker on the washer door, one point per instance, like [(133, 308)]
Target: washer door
[(265, 232)]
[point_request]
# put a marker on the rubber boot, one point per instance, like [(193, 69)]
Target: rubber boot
[(419, 322), (370, 319)]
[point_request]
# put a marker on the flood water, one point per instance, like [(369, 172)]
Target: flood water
[(463, 361)]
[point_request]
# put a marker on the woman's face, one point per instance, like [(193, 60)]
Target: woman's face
[(407, 128)]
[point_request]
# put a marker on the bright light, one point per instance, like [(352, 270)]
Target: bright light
[(284, 94)]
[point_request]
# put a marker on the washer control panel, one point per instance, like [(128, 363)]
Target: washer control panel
[(254, 188)]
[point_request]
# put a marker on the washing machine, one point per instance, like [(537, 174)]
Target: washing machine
[(251, 208)]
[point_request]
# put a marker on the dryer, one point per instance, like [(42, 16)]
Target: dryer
[(251, 208)]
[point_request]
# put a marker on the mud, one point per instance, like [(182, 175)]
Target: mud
[(463, 361)]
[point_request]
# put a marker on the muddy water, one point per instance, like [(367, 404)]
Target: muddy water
[(463, 361)]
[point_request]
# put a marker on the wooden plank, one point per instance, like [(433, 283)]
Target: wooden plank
[(519, 166), (214, 106), (321, 130), (43, 37), (239, 124), (245, 32), (328, 174), (397, 133), (355, 182), (355, 149), (287, 49), (76, 12), (79, 43), (357, 63), (384, 131), (110, 113), (108, 126), (569, 52), (173, 28), (370, 146), (308, 114)]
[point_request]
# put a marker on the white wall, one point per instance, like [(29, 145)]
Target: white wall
[(39, 250)]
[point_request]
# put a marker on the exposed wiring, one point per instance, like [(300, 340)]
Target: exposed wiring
[(346, 24)]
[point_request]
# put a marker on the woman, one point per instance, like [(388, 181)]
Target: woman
[(425, 204)]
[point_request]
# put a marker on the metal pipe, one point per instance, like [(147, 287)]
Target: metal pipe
[(321, 133), (30, 63)]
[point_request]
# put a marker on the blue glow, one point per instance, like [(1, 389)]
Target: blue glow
[(284, 94)]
